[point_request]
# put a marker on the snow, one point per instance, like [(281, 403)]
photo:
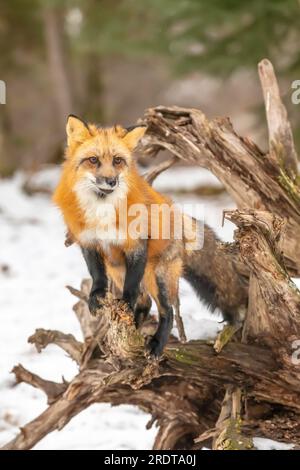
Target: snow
[(185, 178), (267, 444), (36, 268)]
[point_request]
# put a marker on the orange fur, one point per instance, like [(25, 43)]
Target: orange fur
[(85, 141)]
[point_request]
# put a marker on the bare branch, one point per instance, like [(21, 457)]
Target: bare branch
[(55, 417), (281, 141), (41, 338), (52, 389), (78, 293), (154, 172), (228, 427)]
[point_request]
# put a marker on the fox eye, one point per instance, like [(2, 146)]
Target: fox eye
[(93, 160), (118, 160)]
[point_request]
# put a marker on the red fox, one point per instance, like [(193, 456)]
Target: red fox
[(99, 172)]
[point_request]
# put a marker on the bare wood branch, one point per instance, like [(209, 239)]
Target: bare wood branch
[(174, 434), (228, 427), (42, 338), (52, 389), (84, 317), (88, 324), (55, 417), (154, 172), (281, 141), (78, 293), (179, 322)]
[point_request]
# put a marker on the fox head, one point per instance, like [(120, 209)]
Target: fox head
[(100, 158)]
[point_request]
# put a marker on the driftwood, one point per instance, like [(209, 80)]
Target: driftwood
[(195, 395), (254, 179)]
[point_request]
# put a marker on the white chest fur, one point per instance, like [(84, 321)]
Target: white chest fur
[(101, 217), (105, 235)]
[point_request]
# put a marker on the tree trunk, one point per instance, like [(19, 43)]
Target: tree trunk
[(58, 67)]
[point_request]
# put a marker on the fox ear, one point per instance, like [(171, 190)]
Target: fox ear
[(77, 130), (133, 135)]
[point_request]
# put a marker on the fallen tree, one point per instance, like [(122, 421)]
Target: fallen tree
[(195, 395)]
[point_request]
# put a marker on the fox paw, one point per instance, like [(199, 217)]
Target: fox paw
[(154, 348), (95, 303)]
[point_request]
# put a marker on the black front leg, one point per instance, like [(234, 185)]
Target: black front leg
[(135, 268), (96, 267), (157, 343)]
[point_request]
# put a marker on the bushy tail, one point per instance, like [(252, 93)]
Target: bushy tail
[(217, 275)]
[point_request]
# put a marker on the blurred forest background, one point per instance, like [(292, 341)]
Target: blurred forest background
[(108, 60)]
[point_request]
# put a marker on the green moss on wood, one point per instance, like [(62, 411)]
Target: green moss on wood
[(225, 336), (231, 437), (290, 186), (182, 355)]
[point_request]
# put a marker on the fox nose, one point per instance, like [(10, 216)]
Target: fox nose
[(111, 181)]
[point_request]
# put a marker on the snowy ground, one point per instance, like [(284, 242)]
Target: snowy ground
[(32, 295)]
